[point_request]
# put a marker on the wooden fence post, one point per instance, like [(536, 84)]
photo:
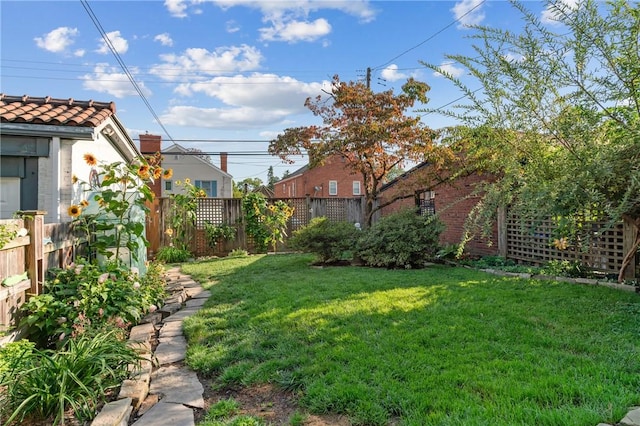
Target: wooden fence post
[(629, 235), (34, 223), (502, 231)]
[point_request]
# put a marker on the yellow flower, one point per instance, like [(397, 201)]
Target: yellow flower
[(74, 210), (169, 232), (167, 173), (74, 179), (178, 182), (187, 181), (202, 193), (561, 244), (143, 171), (157, 172), (90, 159), (84, 203)]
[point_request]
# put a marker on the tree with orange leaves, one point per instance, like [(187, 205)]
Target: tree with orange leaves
[(372, 131)]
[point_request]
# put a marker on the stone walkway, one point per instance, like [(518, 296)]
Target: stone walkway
[(163, 391)]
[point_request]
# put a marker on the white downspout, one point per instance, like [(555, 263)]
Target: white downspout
[(56, 185)]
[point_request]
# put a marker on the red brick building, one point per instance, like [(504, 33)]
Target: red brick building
[(452, 201), (331, 179)]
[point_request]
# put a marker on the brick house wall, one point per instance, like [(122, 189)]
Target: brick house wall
[(453, 203), (315, 182)]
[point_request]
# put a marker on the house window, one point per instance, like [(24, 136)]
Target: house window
[(333, 187), (168, 185), (356, 187), (209, 186)]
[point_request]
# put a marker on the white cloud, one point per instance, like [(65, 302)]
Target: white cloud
[(513, 57), (111, 80), (293, 31), (176, 8), (119, 44), (468, 12), (164, 39), (195, 63), (248, 101), (79, 53), (232, 27), (391, 73), (448, 68), (550, 14), (57, 40)]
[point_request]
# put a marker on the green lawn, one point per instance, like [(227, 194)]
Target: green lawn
[(439, 346)]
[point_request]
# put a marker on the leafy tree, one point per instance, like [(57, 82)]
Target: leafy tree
[(246, 185), (199, 153), (271, 178), (561, 115), (371, 130)]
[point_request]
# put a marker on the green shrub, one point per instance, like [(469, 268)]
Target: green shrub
[(43, 385), (86, 295), (566, 268), (218, 233), (330, 241), (13, 354), (238, 253), (400, 240), (170, 254)]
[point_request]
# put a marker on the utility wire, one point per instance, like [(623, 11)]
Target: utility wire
[(102, 32), (430, 37)]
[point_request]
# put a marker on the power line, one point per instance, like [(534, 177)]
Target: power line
[(113, 50), (431, 36)]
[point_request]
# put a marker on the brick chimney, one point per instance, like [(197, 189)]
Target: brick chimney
[(149, 145), (223, 161)]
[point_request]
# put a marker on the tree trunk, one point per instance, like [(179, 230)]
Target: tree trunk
[(631, 251)]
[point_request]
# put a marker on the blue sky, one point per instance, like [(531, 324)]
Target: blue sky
[(232, 72)]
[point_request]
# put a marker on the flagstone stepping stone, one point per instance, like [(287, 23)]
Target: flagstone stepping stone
[(167, 414), (178, 385)]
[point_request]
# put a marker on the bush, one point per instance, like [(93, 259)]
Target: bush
[(238, 253), (400, 240), (44, 384), (218, 233), (171, 254), (90, 296), (330, 241)]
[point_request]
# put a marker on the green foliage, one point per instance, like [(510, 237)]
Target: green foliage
[(86, 295), (182, 214), (44, 384), (265, 223), (330, 241), (226, 413), (121, 187), (217, 233), (565, 268), (540, 115), (14, 355), (7, 233), (238, 253), (170, 254), (400, 240)]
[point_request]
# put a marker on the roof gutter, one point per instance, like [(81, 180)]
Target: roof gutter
[(45, 130)]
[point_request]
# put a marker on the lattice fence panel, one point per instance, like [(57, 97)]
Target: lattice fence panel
[(603, 249)]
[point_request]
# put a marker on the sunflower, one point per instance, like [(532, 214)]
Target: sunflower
[(187, 181), (90, 159), (178, 183), (143, 171), (202, 194), (169, 232), (74, 210), (74, 178), (167, 173), (84, 203), (157, 172)]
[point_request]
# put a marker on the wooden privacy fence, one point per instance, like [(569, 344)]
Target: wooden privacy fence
[(603, 250), (228, 211), (45, 246)]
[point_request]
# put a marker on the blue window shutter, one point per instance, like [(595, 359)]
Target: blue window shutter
[(214, 188)]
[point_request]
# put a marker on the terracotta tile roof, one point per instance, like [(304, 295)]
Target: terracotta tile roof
[(55, 112)]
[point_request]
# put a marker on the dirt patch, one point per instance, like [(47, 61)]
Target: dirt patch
[(274, 405)]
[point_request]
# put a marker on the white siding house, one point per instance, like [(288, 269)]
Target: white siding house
[(203, 174)]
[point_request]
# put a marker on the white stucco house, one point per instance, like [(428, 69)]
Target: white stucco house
[(215, 181), (42, 145)]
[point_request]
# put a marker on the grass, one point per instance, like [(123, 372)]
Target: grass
[(440, 346)]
